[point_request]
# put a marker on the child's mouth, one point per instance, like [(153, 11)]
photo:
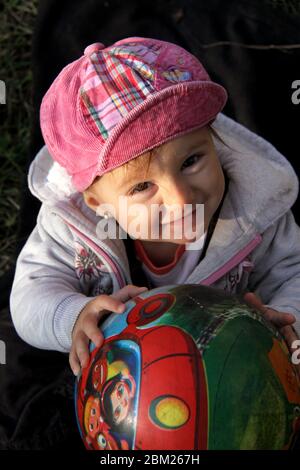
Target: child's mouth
[(186, 218)]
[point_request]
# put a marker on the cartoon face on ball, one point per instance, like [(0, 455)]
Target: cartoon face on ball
[(118, 394), (120, 400), (92, 416)]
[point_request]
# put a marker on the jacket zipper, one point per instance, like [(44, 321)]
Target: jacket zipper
[(234, 261)]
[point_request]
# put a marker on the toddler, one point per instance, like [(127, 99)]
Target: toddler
[(132, 131)]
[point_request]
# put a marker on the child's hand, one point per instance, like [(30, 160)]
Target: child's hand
[(282, 320), (279, 319), (86, 326)]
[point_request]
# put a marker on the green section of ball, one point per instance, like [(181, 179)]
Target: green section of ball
[(247, 402)]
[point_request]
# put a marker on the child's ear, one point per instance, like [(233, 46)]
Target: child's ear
[(90, 200)]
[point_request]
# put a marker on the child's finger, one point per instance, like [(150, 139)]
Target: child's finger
[(107, 303), (289, 336), (127, 292), (253, 300), (115, 302), (81, 348), (279, 319), (74, 361), (92, 331)]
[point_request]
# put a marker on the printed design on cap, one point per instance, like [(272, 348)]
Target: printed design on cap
[(122, 77), (139, 57), (176, 75)]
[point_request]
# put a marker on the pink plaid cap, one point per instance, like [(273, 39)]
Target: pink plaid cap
[(117, 102)]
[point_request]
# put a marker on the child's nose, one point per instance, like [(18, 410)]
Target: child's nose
[(177, 192)]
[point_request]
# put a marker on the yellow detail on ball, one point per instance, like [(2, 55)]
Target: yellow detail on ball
[(172, 412)]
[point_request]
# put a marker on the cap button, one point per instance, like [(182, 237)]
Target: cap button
[(97, 46)]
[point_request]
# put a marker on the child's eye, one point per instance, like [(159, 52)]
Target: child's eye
[(192, 160), (142, 187), (139, 188)]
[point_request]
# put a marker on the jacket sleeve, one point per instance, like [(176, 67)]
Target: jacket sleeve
[(276, 276), (46, 296)]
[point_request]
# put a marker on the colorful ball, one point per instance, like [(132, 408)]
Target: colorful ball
[(188, 367)]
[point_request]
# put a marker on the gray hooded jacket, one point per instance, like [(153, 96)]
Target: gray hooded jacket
[(255, 245)]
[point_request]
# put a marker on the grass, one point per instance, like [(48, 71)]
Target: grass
[(16, 26)]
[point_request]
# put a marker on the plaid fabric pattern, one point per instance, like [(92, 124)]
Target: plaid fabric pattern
[(119, 79)]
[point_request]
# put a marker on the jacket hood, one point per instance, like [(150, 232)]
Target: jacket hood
[(264, 184)]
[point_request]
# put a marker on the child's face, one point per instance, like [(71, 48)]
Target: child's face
[(120, 399), (183, 171)]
